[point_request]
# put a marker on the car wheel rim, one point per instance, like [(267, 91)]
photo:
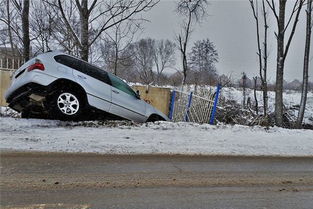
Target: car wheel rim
[(68, 104)]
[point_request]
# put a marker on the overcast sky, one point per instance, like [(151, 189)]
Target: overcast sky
[(230, 25)]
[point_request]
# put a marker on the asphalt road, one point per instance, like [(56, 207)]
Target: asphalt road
[(51, 180)]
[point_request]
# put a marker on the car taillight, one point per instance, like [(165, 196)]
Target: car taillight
[(36, 66)]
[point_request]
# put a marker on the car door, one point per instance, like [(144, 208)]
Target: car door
[(97, 84), (125, 102), (94, 80)]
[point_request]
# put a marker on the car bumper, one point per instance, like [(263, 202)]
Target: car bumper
[(35, 77)]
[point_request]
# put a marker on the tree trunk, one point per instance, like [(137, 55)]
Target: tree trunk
[(244, 79), (9, 27), (158, 79), (25, 28), (265, 56), (262, 53), (305, 64), (184, 51), (279, 111), (116, 61), (255, 97), (185, 68), (84, 30)]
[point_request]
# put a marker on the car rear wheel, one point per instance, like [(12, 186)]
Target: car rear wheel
[(67, 105)]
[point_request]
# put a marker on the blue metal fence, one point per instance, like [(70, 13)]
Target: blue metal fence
[(218, 88), (190, 107)]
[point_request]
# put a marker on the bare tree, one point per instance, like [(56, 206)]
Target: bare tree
[(262, 52), (143, 55), (104, 14), (42, 27), (63, 35), (25, 27), (255, 79), (192, 12), (304, 91), (226, 80), (9, 25), (164, 57), (175, 79), (120, 36), (282, 48), (17, 21), (244, 88), (126, 66)]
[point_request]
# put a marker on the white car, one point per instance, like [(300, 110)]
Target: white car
[(57, 85)]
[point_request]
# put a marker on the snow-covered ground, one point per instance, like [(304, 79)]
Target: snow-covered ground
[(160, 138), (291, 99), (152, 138)]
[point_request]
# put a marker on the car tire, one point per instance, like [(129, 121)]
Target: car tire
[(66, 105), (29, 112), (25, 114), (154, 118)]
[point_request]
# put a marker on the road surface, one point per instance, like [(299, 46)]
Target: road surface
[(56, 180)]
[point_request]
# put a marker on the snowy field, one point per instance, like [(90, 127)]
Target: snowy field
[(291, 99), (152, 138)]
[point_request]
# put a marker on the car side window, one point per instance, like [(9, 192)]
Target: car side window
[(70, 62), (121, 85), (83, 67), (97, 73)]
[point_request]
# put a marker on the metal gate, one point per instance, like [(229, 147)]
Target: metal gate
[(190, 107)]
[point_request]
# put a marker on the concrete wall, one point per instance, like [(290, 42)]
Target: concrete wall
[(5, 81), (157, 97)]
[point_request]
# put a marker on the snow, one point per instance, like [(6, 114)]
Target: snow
[(291, 99), (160, 138), (152, 138), (8, 112)]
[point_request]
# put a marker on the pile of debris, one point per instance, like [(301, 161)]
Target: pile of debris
[(230, 112)]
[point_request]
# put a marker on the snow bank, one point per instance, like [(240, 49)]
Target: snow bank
[(152, 138)]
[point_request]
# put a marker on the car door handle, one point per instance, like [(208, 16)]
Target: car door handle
[(82, 77), (116, 92)]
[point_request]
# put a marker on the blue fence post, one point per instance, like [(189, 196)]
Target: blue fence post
[(188, 107), (215, 104), (172, 105)]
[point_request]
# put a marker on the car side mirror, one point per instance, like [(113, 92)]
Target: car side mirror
[(137, 94)]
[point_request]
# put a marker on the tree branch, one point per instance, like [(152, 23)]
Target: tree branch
[(293, 28), (92, 6), (68, 25), (290, 18), (136, 9), (273, 8)]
